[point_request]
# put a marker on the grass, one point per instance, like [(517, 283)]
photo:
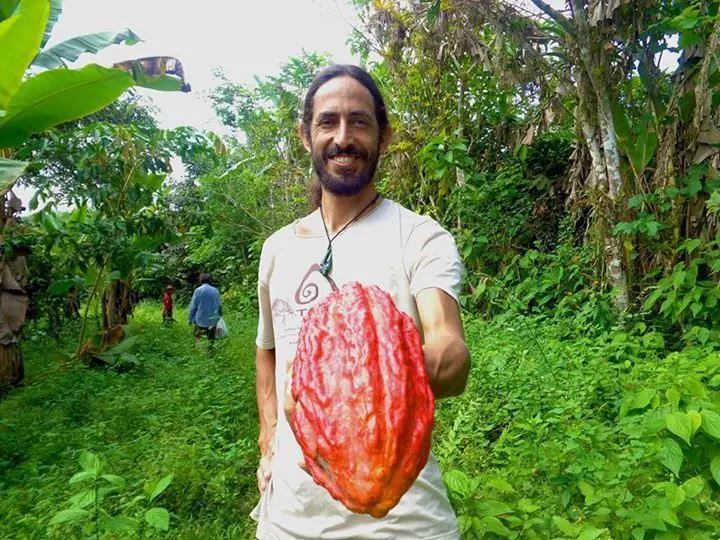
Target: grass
[(183, 412), (537, 446)]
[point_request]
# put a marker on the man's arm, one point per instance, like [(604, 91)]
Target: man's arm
[(266, 397), (193, 307), (446, 355)]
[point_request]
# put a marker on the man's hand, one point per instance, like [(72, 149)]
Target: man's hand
[(264, 472)]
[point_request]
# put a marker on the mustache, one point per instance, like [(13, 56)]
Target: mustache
[(350, 150)]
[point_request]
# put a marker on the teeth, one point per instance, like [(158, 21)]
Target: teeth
[(344, 159)]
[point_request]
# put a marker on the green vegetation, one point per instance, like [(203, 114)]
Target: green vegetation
[(181, 412), (574, 155)]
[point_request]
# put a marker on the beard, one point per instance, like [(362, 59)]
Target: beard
[(349, 183)]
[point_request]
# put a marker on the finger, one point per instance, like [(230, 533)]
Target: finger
[(265, 468), (261, 482)]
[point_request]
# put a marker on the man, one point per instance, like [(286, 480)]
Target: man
[(354, 235), (205, 309)]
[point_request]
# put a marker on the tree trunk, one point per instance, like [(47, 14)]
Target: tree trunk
[(12, 371), (593, 81), (117, 304)]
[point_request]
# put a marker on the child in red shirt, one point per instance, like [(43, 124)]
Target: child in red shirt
[(167, 305)]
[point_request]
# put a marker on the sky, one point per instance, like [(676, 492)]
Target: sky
[(245, 38)]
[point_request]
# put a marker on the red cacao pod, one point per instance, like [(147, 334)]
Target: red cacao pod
[(363, 404)]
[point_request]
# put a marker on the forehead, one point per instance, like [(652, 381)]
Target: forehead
[(343, 94)]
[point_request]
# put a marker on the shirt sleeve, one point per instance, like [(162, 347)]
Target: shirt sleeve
[(432, 260), (193, 307), (265, 333)]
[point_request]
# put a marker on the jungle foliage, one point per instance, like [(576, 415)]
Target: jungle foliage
[(573, 153)]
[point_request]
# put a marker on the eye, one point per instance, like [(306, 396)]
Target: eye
[(361, 122)]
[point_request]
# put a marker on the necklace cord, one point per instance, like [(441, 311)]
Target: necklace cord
[(326, 264)]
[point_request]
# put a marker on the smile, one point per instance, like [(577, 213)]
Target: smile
[(343, 160)]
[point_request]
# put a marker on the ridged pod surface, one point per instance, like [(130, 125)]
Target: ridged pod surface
[(364, 407)]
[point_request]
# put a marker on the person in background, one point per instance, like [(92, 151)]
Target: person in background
[(167, 305), (205, 309)]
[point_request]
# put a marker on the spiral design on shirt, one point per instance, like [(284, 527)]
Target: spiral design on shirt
[(307, 291)]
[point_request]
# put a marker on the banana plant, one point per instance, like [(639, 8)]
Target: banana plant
[(32, 102)]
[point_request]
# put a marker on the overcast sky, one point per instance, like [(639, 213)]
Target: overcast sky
[(243, 37)]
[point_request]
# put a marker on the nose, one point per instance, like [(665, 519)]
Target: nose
[(343, 134)]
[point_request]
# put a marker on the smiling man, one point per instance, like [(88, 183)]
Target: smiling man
[(354, 235)]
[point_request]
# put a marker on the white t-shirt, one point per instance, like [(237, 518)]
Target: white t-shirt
[(401, 252)]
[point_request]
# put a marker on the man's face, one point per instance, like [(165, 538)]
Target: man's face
[(345, 139)]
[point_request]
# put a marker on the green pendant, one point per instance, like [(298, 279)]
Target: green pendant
[(326, 264)]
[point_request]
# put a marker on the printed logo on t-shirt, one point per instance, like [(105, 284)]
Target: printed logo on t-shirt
[(288, 313)]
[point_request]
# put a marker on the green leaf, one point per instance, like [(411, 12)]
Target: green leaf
[(162, 82), (153, 181), (72, 514), (693, 486), (124, 346), (715, 468), (622, 125), (586, 489), (711, 423), (643, 399), (695, 420), (58, 96), (158, 518), (61, 287), (81, 476), (679, 424), (692, 510), (434, 12), (493, 525), (55, 11), (673, 397), (498, 484), (162, 484), (671, 455), (675, 494), (8, 8), (20, 38), (526, 505), (591, 533), (493, 508), (458, 482), (9, 172), (114, 479), (121, 524), (71, 49), (90, 462), (565, 526), (84, 498), (695, 387)]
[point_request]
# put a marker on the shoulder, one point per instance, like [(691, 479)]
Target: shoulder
[(278, 238), (416, 227), (271, 246)]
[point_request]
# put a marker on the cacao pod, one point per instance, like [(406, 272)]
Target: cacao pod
[(364, 408)]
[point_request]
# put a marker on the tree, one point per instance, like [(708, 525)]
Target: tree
[(34, 104)]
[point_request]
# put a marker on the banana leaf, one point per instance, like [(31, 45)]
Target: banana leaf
[(163, 73), (7, 8), (60, 95), (55, 11), (71, 49), (9, 172), (20, 37)]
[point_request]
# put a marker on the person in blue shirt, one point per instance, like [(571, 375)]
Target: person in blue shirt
[(205, 309)]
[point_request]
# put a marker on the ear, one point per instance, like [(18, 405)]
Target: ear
[(385, 137), (303, 137)]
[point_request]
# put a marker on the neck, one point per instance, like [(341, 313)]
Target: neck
[(338, 209)]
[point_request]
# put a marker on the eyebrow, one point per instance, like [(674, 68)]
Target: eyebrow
[(331, 115)]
